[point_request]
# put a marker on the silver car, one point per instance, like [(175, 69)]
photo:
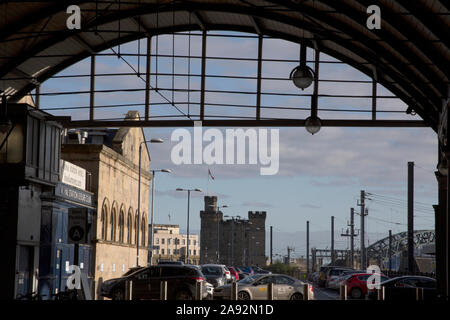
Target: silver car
[(255, 287)]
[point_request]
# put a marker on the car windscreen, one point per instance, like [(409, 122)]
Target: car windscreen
[(212, 270)]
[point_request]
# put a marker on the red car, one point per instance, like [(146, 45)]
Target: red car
[(357, 284), (234, 273)]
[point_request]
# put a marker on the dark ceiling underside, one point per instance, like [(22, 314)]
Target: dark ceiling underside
[(409, 55)]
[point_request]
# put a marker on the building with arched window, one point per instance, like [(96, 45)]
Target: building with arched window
[(112, 158)]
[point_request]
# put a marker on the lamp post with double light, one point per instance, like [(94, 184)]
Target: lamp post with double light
[(189, 196), (153, 207), (139, 194)]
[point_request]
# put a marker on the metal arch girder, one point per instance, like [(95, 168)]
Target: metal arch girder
[(361, 53), (379, 251), (357, 35), (114, 42)]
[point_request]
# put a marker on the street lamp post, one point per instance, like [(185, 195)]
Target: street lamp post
[(153, 206), (139, 195), (189, 196), (218, 231)]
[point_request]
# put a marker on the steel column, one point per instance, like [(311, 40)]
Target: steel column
[(258, 83), (411, 263), (203, 78), (92, 89), (147, 77)]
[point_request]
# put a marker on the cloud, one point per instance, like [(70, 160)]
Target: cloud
[(256, 204), (310, 206)]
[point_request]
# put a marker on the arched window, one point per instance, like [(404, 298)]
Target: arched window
[(104, 224), (130, 227), (136, 233), (112, 235), (143, 233), (121, 226)]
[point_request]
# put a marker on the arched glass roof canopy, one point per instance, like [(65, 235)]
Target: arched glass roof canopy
[(409, 55)]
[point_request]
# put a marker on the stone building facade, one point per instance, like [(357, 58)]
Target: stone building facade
[(236, 241), (170, 245), (112, 158)]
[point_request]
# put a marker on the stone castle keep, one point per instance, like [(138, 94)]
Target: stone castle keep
[(235, 241)]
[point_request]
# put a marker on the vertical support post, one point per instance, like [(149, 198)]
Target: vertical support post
[(258, 81), (198, 290), (441, 219), (139, 207), (307, 247), (419, 294), (374, 99), (313, 253), (342, 292), (234, 291), (203, 77), (381, 293), (147, 77), (163, 290), (37, 99), (411, 263), (152, 236), (362, 246), (332, 241), (129, 290), (315, 97), (187, 244), (390, 250), (352, 242), (271, 245), (92, 89), (270, 291), (305, 291)]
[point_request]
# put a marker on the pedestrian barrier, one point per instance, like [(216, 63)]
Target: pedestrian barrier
[(198, 290), (234, 291), (128, 290), (270, 291), (163, 290), (343, 292)]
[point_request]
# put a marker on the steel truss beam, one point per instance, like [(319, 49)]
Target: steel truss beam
[(67, 123)]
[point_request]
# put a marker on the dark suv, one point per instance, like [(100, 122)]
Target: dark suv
[(181, 283)]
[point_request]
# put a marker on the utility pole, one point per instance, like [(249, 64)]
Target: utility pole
[(352, 235), (307, 247), (362, 214), (289, 249), (332, 241), (271, 245), (313, 253), (390, 250), (411, 217)]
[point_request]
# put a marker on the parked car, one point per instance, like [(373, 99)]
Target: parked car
[(210, 291), (322, 279), (343, 277), (404, 288), (255, 287), (215, 274), (248, 270), (132, 270), (333, 275), (258, 270), (181, 283), (234, 273), (357, 284), (178, 263)]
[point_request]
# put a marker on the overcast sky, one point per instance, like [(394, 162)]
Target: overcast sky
[(319, 176)]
